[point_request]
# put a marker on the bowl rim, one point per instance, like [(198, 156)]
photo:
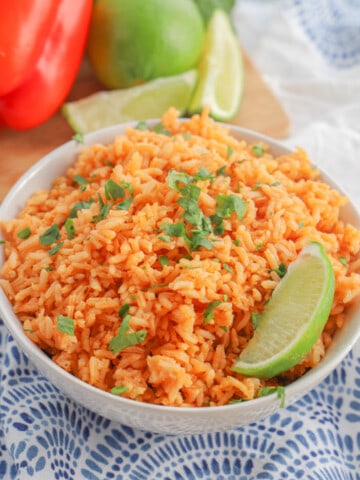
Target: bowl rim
[(31, 350)]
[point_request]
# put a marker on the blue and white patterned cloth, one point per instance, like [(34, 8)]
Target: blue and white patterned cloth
[(44, 435)]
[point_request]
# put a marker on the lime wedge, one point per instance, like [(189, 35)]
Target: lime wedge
[(293, 319), (149, 100), (221, 71)]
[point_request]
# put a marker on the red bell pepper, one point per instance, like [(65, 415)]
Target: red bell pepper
[(44, 42)]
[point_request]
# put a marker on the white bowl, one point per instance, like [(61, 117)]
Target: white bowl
[(170, 420)]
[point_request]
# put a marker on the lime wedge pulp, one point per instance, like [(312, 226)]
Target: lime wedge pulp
[(149, 100), (293, 319), (221, 71)]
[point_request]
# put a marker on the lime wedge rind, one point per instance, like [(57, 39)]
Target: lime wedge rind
[(221, 71), (273, 349), (149, 100)]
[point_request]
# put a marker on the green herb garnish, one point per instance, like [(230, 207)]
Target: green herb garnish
[(343, 261), (227, 204), (209, 311), (70, 228), (123, 340), (78, 137), (280, 392), (255, 319), (65, 324), (142, 125), (80, 180), (119, 390), (227, 268), (124, 310), (50, 235), (164, 260), (56, 248), (80, 206), (281, 270), (113, 190), (258, 150), (24, 233), (159, 128), (230, 151)]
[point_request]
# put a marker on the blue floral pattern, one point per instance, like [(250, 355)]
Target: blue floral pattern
[(43, 434), (332, 26)]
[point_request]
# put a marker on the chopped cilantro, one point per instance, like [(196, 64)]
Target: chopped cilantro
[(70, 228), (24, 233), (187, 135), (125, 204), (236, 400), (119, 390), (108, 163), (123, 340), (222, 171), (255, 319), (218, 224), (203, 174), (164, 260), (236, 242), (56, 248), (49, 268), (209, 311), (50, 235), (159, 128), (258, 150), (80, 180), (190, 203), (224, 327), (2, 242), (343, 261), (78, 137), (230, 151), (80, 206), (281, 270), (174, 178), (275, 184), (142, 125), (165, 238), (124, 310), (113, 190), (227, 268), (301, 225), (280, 392), (65, 325), (259, 247), (103, 212), (226, 204)]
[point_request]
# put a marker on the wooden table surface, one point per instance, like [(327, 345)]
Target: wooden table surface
[(260, 111)]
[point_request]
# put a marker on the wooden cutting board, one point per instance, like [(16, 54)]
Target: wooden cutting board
[(260, 111)]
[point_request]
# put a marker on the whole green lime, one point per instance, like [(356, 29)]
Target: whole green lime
[(133, 41)]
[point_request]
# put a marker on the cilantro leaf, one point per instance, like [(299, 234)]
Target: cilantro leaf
[(258, 150), (70, 228), (80, 206), (190, 203), (56, 248), (119, 390), (209, 311), (24, 233), (226, 204), (113, 190), (255, 319), (124, 310), (281, 270), (142, 125), (164, 260), (65, 324), (174, 178), (50, 235), (123, 340), (80, 180), (280, 392)]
